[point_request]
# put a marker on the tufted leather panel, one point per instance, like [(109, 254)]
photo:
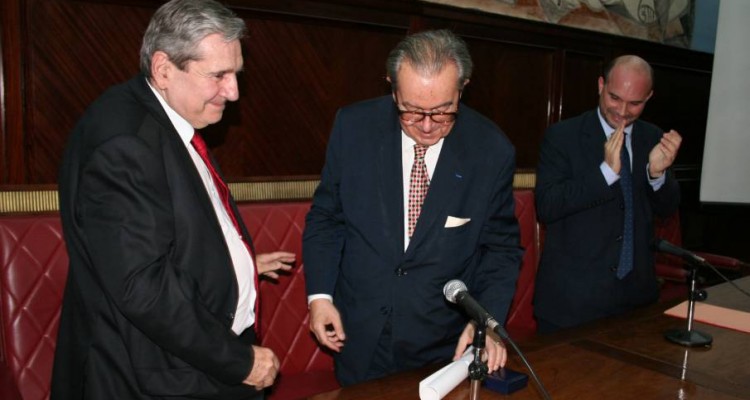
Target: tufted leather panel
[(305, 368), (520, 322), (33, 268)]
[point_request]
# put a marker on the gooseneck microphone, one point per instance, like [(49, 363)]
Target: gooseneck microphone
[(456, 292), (664, 246)]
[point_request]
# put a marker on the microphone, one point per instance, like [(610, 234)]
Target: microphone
[(456, 292), (664, 246)]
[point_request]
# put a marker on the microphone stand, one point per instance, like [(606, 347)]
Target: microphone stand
[(477, 369), (689, 337)]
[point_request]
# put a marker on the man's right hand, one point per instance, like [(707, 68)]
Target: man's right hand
[(612, 148), (325, 323), (265, 368)]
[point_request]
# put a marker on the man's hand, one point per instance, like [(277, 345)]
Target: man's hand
[(265, 368), (663, 154), (494, 350), (613, 147), (325, 323), (269, 263)]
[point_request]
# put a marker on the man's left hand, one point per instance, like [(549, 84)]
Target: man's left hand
[(495, 353), (269, 263), (663, 154)]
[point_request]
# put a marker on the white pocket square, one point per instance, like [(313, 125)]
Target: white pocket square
[(452, 222)]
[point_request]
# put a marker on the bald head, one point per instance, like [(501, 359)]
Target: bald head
[(633, 65), (624, 90)]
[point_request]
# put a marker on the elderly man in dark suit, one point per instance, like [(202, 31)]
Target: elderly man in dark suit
[(601, 177), (416, 190), (160, 298)]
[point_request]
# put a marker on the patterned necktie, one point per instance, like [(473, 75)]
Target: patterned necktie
[(626, 184), (221, 187), (418, 185)]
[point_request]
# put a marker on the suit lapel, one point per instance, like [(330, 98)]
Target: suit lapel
[(593, 138), (390, 182), (444, 184), (175, 149)]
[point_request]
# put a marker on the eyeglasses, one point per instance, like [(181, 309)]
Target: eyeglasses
[(438, 117), (412, 117)]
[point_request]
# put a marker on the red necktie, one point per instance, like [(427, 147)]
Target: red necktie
[(221, 187), (418, 185)]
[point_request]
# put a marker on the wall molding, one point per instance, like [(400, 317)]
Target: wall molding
[(31, 200)]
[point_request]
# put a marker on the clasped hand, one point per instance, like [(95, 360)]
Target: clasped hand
[(660, 158), (265, 368)]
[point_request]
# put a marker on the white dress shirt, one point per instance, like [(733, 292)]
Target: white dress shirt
[(243, 264)]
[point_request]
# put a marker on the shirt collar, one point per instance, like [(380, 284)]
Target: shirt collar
[(183, 127), (408, 143), (608, 130)]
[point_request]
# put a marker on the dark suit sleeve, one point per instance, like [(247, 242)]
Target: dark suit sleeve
[(499, 244), (324, 235), (561, 190), (126, 221), (666, 200)]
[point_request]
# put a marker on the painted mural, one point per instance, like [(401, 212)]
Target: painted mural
[(664, 21)]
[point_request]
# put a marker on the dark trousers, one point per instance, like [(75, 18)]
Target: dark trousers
[(383, 362)]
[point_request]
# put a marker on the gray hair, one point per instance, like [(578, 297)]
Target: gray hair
[(179, 25), (429, 52)]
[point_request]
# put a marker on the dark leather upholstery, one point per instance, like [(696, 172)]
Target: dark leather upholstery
[(305, 368), (33, 266), (673, 272), (520, 322)]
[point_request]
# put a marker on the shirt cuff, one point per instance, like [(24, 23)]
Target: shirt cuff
[(656, 183), (610, 176), (312, 297)]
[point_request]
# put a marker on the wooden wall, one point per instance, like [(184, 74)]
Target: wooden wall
[(304, 59)]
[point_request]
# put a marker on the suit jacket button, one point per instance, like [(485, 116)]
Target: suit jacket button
[(619, 239), (230, 316), (400, 272), (384, 310), (613, 268)]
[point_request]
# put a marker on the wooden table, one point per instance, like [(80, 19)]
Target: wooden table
[(618, 358)]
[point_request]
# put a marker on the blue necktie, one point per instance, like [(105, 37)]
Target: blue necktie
[(626, 184)]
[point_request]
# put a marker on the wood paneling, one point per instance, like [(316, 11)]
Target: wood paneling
[(11, 96), (297, 74), (306, 58), (75, 51), (511, 85), (680, 102), (580, 90)]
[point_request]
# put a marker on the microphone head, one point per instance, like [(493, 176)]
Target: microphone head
[(452, 288), (665, 247), (656, 244)]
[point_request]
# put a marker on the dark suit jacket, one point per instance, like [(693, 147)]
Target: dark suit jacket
[(354, 235), (577, 281), (151, 292)]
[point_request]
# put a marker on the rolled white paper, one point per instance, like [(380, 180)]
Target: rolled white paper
[(440, 383)]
